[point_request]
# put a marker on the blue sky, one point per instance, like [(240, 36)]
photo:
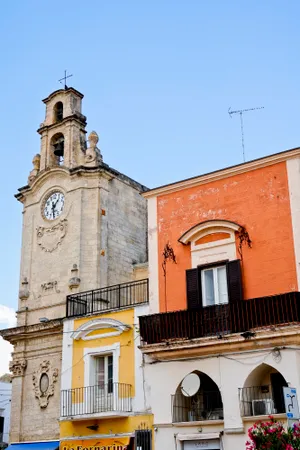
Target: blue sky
[(158, 78)]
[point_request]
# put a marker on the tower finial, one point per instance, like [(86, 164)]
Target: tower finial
[(65, 79)]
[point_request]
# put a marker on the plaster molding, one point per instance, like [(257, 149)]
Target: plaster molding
[(99, 324), (209, 226), (203, 347)]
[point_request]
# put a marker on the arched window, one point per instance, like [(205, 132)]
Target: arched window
[(197, 398), (57, 144), (215, 276), (58, 112), (262, 393)]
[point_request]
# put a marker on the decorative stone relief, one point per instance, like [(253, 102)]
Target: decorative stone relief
[(18, 367), (93, 155), (43, 382), (24, 291), (36, 168), (49, 288), (50, 238), (74, 281)]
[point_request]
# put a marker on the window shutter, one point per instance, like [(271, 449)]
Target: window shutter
[(193, 289), (234, 280)]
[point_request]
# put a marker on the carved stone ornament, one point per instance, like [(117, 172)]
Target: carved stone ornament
[(36, 168), (50, 238), (24, 291), (18, 367), (93, 155), (74, 281), (43, 382)]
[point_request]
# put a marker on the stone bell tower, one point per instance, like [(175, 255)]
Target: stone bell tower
[(84, 227), (63, 131)]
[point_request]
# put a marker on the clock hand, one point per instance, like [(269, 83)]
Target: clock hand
[(53, 210)]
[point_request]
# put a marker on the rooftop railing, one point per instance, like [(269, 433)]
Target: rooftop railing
[(111, 297)]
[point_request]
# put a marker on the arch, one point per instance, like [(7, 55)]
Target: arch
[(57, 144), (260, 374), (208, 227), (99, 324), (205, 404), (262, 392), (58, 111)]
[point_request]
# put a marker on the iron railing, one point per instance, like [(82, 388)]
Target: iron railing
[(143, 439), (217, 320), (112, 397), (259, 400), (206, 405), (111, 297)]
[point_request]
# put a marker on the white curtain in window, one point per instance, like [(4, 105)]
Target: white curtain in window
[(209, 287), (222, 285)]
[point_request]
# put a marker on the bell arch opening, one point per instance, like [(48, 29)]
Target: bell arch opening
[(57, 148), (204, 404), (262, 393), (58, 112)]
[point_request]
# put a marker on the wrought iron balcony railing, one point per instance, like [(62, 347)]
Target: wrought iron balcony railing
[(205, 405), (260, 400), (111, 297), (236, 317), (108, 398)]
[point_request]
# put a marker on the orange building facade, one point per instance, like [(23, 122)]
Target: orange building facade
[(224, 259)]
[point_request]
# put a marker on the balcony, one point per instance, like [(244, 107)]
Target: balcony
[(206, 405), (112, 297), (110, 400), (260, 400), (219, 320)]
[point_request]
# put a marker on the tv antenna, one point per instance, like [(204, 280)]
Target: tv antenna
[(241, 112)]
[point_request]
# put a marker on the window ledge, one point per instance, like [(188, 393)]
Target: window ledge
[(198, 423), (264, 417)]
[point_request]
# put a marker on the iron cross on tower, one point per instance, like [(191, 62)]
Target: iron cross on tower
[(64, 79), (241, 112)]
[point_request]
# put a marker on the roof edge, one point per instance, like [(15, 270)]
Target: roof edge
[(69, 89), (223, 173)]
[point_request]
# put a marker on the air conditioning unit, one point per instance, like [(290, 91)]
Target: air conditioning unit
[(263, 407)]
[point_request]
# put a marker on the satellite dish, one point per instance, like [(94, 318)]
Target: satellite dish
[(190, 385)]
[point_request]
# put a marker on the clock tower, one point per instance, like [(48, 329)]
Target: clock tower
[(84, 227)]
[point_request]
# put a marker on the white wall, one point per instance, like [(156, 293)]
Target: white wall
[(229, 372), (5, 402)]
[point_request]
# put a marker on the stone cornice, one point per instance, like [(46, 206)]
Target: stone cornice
[(102, 170), (62, 91), (213, 346), (38, 329), (77, 117), (223, 173)]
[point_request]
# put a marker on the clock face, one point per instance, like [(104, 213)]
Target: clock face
[(54, 205)]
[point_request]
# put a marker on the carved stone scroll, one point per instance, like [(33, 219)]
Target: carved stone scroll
[(17, 367)]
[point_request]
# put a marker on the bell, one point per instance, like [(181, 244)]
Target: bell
[(59, 149)]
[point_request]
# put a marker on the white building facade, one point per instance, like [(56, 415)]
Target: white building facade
[(5, 402)]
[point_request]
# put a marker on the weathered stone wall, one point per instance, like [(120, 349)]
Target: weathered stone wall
[(29, 420), (127, 228)]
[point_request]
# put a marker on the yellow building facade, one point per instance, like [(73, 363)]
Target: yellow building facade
[(103, 398)]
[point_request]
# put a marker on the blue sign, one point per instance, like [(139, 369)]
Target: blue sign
[(291, 403)]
